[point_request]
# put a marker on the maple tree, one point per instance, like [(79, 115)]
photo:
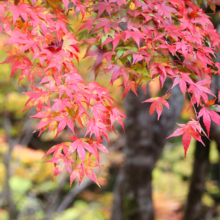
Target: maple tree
[(136, 41)]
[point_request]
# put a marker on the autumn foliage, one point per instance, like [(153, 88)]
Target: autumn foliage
[(132, 40)]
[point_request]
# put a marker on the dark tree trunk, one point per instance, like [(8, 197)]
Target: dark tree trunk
[(197, 186), (145, 138), (200, 168)]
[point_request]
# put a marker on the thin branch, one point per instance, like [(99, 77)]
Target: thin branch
[(68, 199), (54, 200), (7, 161)]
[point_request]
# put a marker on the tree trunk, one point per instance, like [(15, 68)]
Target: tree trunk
[(145, 138), (200, 168), (197, 186)]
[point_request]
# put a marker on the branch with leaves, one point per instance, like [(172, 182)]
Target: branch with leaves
[(136, 41)]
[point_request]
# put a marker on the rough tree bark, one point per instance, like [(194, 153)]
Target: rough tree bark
[(145, 138)]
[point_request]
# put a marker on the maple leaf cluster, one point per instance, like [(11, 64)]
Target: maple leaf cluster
[(136, 41), (43, 50)]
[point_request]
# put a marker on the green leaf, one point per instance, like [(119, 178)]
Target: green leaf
[(120, 52)]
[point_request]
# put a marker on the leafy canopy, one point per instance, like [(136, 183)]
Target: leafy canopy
[(132, 40)]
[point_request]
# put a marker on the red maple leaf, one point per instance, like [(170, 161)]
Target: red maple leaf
[(64, 121), (199, 91), (104, 6), (157, 104), (81, 146), (192, 128), (183, 79), (208, 112), (19, 11)]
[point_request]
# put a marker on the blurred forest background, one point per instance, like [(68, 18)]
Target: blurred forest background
[(180, 185)]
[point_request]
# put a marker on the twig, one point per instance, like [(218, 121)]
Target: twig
[(54, 200), (7, 161), (68, 199)]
